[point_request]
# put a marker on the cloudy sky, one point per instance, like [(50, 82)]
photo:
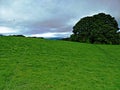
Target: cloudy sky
[(50, 18)]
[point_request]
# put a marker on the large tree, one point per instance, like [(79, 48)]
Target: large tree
[(100, 28)]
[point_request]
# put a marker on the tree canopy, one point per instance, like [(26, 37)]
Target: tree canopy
[(100, 28)]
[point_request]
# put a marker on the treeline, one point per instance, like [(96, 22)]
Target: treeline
[(13, 35), (19, 36)]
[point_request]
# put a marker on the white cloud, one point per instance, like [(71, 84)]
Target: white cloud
[(51, 34), (46, 35), (7, 30)]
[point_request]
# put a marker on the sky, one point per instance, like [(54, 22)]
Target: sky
[(50, 18)]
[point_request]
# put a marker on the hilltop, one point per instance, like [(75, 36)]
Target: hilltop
[(38, 64)]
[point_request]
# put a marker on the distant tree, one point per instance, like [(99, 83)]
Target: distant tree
[(1, 35), (17, 35), (100, 28)]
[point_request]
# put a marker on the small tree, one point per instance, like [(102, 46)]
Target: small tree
[(100, 28), (1, 35)]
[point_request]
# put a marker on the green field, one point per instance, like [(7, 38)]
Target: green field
[(38, 64)]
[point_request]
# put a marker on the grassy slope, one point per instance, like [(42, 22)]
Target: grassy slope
[(36, 64)]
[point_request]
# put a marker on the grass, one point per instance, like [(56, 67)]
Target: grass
[(38, 64)]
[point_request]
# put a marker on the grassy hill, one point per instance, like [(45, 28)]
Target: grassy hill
[(38, 64)]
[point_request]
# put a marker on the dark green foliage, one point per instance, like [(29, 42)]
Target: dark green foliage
[(1, 35), (100, 28), (17, 35)]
